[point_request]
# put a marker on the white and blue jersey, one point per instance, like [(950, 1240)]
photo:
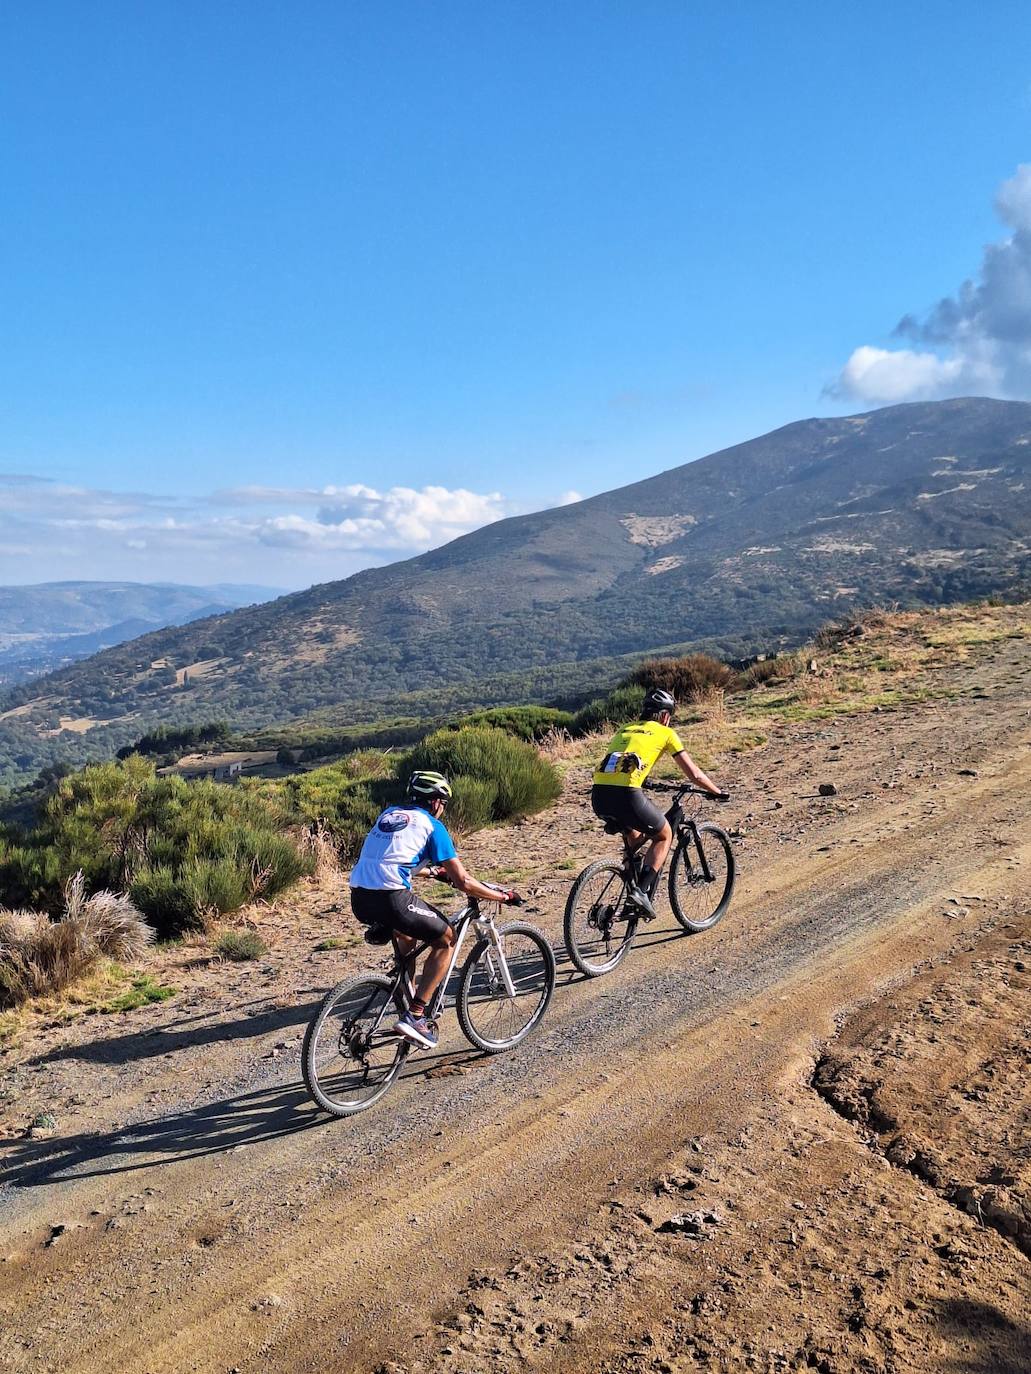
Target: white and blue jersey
[(402, 838)]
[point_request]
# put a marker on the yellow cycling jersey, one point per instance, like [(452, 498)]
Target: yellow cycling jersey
[(634, 751)]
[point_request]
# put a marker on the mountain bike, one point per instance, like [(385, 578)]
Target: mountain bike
[(351, 1053), (600, 921)]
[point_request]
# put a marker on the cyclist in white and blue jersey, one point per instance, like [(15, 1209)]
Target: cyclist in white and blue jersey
[(404, 839)]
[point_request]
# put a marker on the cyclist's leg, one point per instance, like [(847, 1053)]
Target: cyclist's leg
[(406, 946), (417, 921), (655, 857), (656, 833)]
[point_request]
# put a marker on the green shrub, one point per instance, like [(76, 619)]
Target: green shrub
[(524, 781), (216, 885), (347, 806), (239, 945), (623, 704), (334, 794), (530, 723), (182, 849), (276, 862), (473, 805), (165, 901), (367, 764)]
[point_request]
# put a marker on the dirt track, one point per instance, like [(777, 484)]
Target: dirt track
[(494, 1214)]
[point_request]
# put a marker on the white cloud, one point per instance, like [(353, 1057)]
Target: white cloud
[(404, 517), (569, 498), (315, 534), (975, 341), (898, 374)]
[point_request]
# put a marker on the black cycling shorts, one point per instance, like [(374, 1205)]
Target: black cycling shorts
[(398, 909), (627, 807)]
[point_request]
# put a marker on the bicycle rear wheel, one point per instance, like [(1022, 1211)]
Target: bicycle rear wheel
[(350, 1055), (698, 901), (491, 1018), (597, 929)]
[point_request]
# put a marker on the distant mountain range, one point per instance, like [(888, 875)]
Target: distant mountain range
[(752, 547), (50, 624)]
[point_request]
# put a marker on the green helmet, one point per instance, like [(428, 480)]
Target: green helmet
[(425, 786)]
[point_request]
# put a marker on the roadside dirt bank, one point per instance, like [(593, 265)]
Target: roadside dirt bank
[(747, 1149)]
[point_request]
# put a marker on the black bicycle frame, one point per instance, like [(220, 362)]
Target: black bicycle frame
[(680, 824)]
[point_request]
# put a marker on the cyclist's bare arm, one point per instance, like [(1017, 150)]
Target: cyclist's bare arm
[(454, 873), (694, 774)]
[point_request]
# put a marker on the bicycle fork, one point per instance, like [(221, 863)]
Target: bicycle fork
[(495, 956)]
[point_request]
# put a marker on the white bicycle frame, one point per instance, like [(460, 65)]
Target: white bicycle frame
[(485, 928)]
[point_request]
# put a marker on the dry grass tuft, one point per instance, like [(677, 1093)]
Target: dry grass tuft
[(319, 843), (770, 670), (855, 626), (712, 702), (39, 956), (689, 678), (558, 743)]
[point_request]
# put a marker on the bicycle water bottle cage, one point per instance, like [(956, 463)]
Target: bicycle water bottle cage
[(377, 935)]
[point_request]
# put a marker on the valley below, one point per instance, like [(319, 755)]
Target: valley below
[(797, 1141)]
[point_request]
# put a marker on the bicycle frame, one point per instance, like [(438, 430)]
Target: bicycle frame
[(679, 823), (403, 990)]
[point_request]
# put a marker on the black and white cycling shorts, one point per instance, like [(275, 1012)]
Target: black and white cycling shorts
[(626, 807), (398, 909)]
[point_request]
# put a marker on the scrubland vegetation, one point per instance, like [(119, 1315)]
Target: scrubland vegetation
[(186, 854), (180, 850)]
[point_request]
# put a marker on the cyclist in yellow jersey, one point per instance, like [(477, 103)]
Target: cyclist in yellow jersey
[(617, 797)]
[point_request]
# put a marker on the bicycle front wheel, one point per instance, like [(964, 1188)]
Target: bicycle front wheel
[(491, 1017), (699, 893), (350, 1055), (597, 928)]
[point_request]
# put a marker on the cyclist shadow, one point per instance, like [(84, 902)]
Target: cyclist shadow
[(184, 1033), (441, 1063), (652, 934), (649, 936), (248, 1118)]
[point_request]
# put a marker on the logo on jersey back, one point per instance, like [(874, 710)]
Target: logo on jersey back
[(394, 821)]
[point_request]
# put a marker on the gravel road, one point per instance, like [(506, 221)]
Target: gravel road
[(248, 1233)]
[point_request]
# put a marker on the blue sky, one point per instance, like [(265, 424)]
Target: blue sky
[(286, 290)]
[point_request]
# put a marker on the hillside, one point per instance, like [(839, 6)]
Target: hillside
[(791, 1142), (748, 547), (49, 624)]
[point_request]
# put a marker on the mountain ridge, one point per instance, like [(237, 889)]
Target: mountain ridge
[(750, 546)]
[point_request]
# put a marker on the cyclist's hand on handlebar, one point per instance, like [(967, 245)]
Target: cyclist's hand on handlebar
[(721, 796), (512, 898)]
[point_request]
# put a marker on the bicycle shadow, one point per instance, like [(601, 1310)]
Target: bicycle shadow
[(648, 936), (248, 1118), (183, 1033)]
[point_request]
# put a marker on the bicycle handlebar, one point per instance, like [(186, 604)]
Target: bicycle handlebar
[(683, 788)]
